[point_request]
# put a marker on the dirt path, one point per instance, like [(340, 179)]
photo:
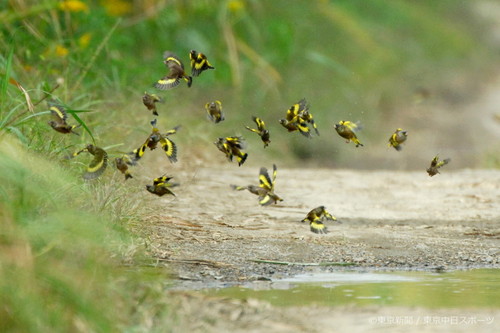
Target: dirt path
[(389, 220)]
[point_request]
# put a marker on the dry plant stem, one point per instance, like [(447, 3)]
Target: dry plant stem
[(303, 263), (13, 120)]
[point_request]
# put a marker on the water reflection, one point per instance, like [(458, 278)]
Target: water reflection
[(460, 289)]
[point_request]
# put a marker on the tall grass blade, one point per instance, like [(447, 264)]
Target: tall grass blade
[(82, 123), (5, 82)]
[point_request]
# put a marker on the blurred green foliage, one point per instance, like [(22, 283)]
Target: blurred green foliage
[(357, 60)]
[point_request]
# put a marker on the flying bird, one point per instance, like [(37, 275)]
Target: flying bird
[(232, 146), (161, 186), (214, 111), (59, 117), (122, 164), (260, 130), (265, 190), (150, 100), (436, 164), (199, 63), (175, 74), (297, 118), (98, 163), (316, 217), (397, 138), (168, 146), (347, 129)]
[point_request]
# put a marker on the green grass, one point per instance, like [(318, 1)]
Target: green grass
[(62, 240), (58, 240)]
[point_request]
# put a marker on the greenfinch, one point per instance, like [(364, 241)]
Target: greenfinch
[(397, 138), (297, 117), (260, 130), (161, 186), (168, 146), (199, 63), (175, 74), (60, 116), (347, 129), (316, 217), (150, 100), (214, 111), (265, 190), (232, 146), (122, 165), (436, 164), (301, 110), (98, 163)]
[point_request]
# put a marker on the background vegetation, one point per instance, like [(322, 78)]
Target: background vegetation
[(357, 60)]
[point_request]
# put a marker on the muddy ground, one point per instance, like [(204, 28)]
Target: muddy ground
[(389, 220), (210, 234)]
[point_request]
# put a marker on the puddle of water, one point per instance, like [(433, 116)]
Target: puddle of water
[(479, 288)]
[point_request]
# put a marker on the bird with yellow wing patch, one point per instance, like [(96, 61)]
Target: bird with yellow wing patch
[(436, 164), (199, 63), (175, 74), (214, 111), (347, 130), (298, 117), (397, 138), (168, 146), (161, 186), (59, 116), (265, 189), (232, 146), (98, 163), (316, 217), (261, 130)]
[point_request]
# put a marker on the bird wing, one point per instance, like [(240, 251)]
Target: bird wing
[(170, 149), (275, 173), (97, 165), (167, 82), (172, 131), (260, 123), (318, 227), (59, 113), (434, 161), (264, 179)]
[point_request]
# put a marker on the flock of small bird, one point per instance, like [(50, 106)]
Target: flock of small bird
[(297, 118)]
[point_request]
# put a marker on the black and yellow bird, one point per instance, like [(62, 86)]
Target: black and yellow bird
[(347, 129), (297, 117), (265, 190), (168, 146), (436, 164), (316, 217), (199, 63), (232, 146), (122, 164), (397, 138), (214, 111), (150, 100), (98, 163), (301, 111), (260, 130), (161, 186), (296, 125), (60, 116), (175, 74)]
